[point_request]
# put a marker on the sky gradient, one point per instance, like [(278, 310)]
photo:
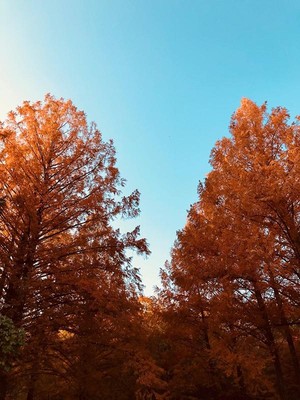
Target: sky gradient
[(161, 78)]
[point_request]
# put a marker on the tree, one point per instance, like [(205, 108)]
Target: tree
[(60, 255), (234, 266), (261, 165)]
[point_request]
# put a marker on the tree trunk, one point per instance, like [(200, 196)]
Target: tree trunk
[(286, 328), (32, 381), (270, 341), (3, 385)]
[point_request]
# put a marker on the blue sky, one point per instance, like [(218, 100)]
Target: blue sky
[(161, 78)]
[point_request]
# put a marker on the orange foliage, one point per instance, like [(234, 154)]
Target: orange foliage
[(234, 275), (64, 268)]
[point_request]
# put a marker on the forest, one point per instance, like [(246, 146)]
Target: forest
[(74, 323)]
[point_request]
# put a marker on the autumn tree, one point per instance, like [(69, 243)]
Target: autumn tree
[(235, 265), (63, 265), (261, 165)]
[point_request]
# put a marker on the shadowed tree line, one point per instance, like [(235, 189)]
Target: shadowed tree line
[(74, 325)]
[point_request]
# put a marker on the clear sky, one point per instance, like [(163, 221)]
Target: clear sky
[(159, 77)]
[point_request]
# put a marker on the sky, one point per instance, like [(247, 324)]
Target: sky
[(160, 77)]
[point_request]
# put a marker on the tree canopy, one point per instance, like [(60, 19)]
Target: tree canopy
[(74, 323)]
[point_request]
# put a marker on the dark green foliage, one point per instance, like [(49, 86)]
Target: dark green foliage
[(11, 340)]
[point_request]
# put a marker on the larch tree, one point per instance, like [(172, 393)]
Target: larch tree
[(235, 265), (63, 265), (261, 168)]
